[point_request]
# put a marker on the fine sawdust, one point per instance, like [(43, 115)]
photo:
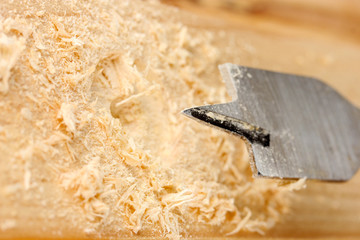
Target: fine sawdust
[(90, 95)]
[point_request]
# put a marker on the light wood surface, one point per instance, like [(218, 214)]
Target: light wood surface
[(317, 38)]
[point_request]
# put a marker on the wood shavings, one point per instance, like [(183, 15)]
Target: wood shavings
[(102, 85), (86, 182), (27, 177), (8, 224), (67, 114), (26, 113), (10, 49), (242, 222)]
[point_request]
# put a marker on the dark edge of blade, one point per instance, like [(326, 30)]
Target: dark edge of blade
[(252, 133)]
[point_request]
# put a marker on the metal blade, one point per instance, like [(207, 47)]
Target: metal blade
[(252, 133), (296, 126)]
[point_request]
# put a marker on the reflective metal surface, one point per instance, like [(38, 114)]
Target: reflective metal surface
[(313, 131)]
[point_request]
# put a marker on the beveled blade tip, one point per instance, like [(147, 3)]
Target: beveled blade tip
[(235, 126), (193, 112), (187, 112)]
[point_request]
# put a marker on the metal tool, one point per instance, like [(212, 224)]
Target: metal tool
[(294, 126)]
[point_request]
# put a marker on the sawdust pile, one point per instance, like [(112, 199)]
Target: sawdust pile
[(90, 130)]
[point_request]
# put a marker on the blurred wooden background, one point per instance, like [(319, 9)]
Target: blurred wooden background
[(338, 17)]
